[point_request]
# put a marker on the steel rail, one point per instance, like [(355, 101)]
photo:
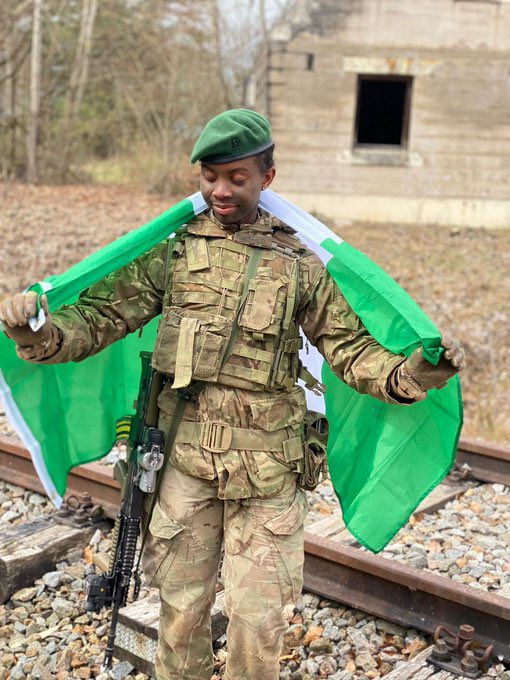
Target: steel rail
[(488, 462), (16, 467), (403, 594)]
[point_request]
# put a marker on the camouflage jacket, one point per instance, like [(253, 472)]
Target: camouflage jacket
[(199, 283)]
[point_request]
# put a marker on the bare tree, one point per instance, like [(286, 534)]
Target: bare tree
[(35, 93), (77, 81), (14, 51), (217, 36), (263, 23), (80, 70), (8, 116)]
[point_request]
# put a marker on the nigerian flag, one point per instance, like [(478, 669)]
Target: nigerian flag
[(383, 458)]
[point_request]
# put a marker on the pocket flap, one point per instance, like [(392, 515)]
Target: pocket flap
[(281, 411), (291, 519), (162, 525), (260, 304)]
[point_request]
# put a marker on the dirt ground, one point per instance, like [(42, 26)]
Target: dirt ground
[(460, 277)]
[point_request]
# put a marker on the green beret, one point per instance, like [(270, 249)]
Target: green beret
[(232, 135)]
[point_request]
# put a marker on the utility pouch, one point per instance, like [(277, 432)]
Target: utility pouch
[(190, 345), (316, 439)]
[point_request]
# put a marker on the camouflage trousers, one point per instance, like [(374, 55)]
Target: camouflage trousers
[(262, 539)]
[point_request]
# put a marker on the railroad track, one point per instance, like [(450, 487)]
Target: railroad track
[(487, 463), (335, 567)]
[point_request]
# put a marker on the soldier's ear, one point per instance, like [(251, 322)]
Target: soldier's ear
[(268, 178)]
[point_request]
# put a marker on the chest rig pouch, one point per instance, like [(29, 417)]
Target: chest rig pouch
[(222, 326), (192, 343), (267, 355)]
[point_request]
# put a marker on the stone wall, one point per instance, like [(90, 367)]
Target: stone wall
[(453, 168)]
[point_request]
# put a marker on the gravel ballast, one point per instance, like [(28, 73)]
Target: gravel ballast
[(45, 633)]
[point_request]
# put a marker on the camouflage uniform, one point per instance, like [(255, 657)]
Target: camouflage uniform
[(239, 448)]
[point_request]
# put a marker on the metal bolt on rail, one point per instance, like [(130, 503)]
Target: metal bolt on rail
[(79, 511), (460, 473), (460, 653)]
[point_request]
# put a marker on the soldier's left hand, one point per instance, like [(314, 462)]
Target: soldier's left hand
[(412, 379), (429, 376), (454, 352)]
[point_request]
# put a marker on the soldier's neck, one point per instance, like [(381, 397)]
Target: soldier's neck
[(232, 228)]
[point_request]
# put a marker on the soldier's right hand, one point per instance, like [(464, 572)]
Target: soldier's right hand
[(15, 311)]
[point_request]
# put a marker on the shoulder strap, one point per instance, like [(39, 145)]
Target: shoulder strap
[(251, 270), (176, 246)]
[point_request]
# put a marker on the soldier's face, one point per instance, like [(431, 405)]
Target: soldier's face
[(233, 189)]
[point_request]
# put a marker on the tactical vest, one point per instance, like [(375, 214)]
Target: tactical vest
[(208, 275)]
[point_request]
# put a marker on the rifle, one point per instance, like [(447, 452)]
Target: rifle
[(145, 449)]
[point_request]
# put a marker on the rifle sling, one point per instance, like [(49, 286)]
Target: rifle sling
[(180, 405), (193, 390)]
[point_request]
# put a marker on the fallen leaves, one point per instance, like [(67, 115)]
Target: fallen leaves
[(313, 633), (88, 555), (415, 647)]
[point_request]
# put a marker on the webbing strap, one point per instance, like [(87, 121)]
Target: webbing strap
[(196, 387), (224, 262), (208, 280), (248, 352), (291, 297), (168, 264), (239, 438), (285, 379), (310, 380), (203, 298), (247, 373), (174, 246), (251, 270), (184, 356), (183, 396)]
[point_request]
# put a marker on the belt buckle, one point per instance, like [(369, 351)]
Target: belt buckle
[(216, 436)]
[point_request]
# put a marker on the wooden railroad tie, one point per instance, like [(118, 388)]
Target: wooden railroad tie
[(137, 630), (29, 550)]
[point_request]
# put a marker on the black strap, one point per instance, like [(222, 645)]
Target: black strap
[(183, 396)]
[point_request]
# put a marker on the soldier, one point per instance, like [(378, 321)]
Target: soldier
[(233, 289)]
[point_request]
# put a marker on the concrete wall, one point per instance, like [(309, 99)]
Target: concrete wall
[(455, 169)]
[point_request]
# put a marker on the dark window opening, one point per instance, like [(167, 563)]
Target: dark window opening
[(382, 115), (310, 58)]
